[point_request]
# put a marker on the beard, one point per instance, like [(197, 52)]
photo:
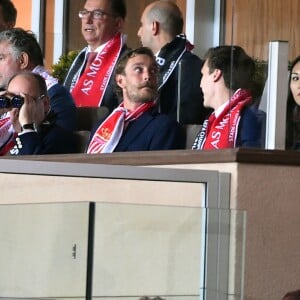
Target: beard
[(144, 93)]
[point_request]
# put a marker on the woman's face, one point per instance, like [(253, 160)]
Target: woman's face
[(295, 82)]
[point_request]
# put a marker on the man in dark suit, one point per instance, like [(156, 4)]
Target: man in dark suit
[(136, 125), (180, 70), (20, 51), (33, 122), (90, 78)]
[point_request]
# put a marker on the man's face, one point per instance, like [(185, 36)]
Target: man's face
[(207, 85), (145, 30), (8, 64), (28, 86), (139, 83), (98, 31)]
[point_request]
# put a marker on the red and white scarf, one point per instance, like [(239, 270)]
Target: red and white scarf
[(90, 87), (108, 134), (221, 132), (7, 136)]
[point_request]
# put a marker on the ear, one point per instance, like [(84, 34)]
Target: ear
[(46, 102), (23, 61), (119, 23), (155, 28), (217, 74), (120, 80)]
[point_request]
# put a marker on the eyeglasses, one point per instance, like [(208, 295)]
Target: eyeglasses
[(15, 101), (96, 14)]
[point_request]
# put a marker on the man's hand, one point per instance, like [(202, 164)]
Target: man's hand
[(27, 112), (14, 117)]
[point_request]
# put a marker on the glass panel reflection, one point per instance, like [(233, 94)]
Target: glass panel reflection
[(173, 252)]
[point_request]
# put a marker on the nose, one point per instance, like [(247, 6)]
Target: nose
[(139, 32), (146, 75), (89, 17)]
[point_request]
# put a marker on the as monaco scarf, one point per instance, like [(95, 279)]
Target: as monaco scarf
[(221, 132), (170, 55), (90, 87), (108, 134), (7, 136)]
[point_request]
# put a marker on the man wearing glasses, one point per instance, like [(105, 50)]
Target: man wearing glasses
[(90, 76), (32, 119)]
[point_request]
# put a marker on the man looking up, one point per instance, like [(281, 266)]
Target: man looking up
[(89, 78), (135, 125), (179, 69), (8, 15)]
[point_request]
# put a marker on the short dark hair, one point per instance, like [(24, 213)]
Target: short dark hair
[(293, 295), (237, 67), (121, 64), (23, 41), (168, 14), (38, 78), (9, 11), (118, 8)]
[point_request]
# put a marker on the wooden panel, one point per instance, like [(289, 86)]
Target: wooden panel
[(49, 33), (24, 18), (256, 22), (175, 157)]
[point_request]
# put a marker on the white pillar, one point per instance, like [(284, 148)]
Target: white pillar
[(58, 29), (277, 91)]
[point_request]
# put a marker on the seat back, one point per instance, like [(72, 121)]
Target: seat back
[(81, 140), (190, 133), (87, 117)]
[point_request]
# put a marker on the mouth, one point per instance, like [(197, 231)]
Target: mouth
[(89, 29)]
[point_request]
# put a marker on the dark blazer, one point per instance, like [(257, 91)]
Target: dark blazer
[(49, 139), (183, 88), (151, 131), (63, 105), (110, 99), (251, 128)]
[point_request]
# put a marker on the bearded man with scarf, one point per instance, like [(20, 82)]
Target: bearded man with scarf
[(180, 70), (227, 78), (135, 125)]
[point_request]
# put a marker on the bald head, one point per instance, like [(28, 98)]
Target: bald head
[(168, 14)]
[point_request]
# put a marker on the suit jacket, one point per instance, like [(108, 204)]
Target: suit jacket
[(251, 128), (63, 105), (183, 89), (151, 131), (110, 99), (48, 139)]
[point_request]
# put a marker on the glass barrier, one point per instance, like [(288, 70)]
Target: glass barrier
[(120, 251), (267, 31)]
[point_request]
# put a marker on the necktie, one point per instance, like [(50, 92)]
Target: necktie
[(90, 57)]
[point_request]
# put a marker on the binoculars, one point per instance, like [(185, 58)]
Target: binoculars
[(14, 102)]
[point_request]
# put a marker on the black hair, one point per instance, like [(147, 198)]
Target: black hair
[(9, 11), (118, 8), (237, 67)]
